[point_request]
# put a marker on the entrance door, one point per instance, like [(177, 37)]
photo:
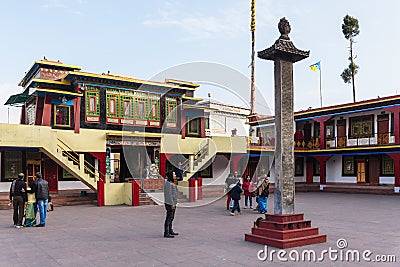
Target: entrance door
[(32, 167), (50, 174), (341, 133), (383, 129), (361, 172)]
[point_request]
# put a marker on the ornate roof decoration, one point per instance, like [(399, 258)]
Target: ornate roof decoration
[(283, 47)]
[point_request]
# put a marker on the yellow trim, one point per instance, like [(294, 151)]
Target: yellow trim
[(58, 64), (127, 79), (58, 91), (191, 98), (130, 134), (63, 82), (182, 82)]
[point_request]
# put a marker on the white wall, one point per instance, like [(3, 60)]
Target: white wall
[(220, 170)]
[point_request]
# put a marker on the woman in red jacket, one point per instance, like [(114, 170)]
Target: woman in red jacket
[(248, 188)]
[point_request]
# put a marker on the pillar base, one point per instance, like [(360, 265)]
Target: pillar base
[(321, 187), (284, 231), (397, 189)]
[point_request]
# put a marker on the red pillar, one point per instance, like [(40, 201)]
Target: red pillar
[(395, 111), (396, 161), (235, 163), (322, 130), (183, 121), (135, 193), (322, 168), (46, 118), (199, 188), (192, 190), (163, 164), (77, 114), (100, 193), (309, 172)]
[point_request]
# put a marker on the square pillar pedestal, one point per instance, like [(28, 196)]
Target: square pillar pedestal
[(284, 231)]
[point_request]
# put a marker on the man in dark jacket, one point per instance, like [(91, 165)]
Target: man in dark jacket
[(235, 193), (170, 201), (18, 199), (42, 198)]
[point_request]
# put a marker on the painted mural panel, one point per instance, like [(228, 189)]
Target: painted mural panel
[(13, 160)]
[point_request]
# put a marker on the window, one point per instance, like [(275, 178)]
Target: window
[(127, 108), (330, 130), (92, 101), (193, 125), (141, 109), (92, 104), (361, 126), (348, 166), (299, 167), (112, 109), (170, 109), (207, 123), (387, 166), (62, 116), (316, 171)]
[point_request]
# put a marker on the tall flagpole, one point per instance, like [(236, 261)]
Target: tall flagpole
[(320, 83), (253, 41)]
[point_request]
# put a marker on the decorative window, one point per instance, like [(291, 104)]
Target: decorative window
[(170, 112), (62, 116), (141, 108), (13, 162), (299, 166), (193, 125), (330, 130), (207, 123), (361, 126), (316, 171), (348, 166), (387, 166), (127, 109), (154, 113), (92, 97), (112, 104)]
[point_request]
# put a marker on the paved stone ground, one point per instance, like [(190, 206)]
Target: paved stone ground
[(132, 236)]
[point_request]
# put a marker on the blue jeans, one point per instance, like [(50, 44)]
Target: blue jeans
[(42, 205), (236, 206), (250, 198)]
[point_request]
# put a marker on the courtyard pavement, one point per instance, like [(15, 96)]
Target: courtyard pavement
[(208, 236)]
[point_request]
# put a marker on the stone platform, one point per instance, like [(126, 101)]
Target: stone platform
[(285, 231)]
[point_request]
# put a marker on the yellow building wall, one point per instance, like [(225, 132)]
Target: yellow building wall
[(114, 194), (128, 193)]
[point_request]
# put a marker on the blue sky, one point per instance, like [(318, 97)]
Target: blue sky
[(143, 38)]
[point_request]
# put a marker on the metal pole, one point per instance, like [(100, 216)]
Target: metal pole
[(253, 40), (320, 83)]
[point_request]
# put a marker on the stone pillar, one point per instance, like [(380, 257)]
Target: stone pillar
[(309, 171), (284, 54)]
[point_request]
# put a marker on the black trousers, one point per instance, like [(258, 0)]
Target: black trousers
[(19, 206), (168, 219)]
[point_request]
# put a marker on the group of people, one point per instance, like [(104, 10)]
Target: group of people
[(234, 189), (28, 200)]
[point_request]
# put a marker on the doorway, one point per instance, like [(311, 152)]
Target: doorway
[(32, 167), (361, 171)]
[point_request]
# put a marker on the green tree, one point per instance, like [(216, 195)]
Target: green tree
[(350, 30)]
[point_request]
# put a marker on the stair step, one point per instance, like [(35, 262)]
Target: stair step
[(285, 234), (286, 243), (286, 225)]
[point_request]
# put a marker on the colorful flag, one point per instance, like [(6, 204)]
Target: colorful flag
[(316, 66)]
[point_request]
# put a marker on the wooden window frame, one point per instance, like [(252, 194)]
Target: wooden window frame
[(348, 166), (362, 120), (55, 107)]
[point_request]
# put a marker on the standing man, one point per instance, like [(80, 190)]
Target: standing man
[(18, 198), (170, 201), (42, 197)]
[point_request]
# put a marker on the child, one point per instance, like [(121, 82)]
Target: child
[(235, 193)]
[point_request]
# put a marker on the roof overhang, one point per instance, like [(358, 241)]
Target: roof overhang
[(18, 99)]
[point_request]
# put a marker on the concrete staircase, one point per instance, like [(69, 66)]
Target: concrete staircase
[(73, 162)]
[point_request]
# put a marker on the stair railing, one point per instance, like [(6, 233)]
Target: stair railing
[(198, 156), (74, 156)]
